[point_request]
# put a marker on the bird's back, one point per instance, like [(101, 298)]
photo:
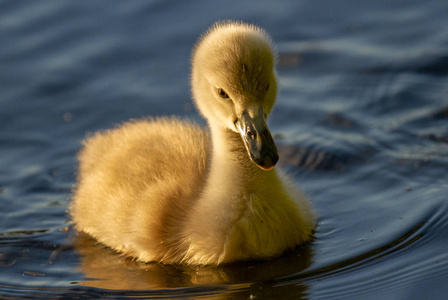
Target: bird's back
[(137, 183)]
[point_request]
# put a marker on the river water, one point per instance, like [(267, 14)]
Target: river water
[(361, 122)]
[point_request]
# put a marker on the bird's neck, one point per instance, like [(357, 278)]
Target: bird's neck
[(230, 157), (232, 172)]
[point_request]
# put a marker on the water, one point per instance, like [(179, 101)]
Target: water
[(361, 123)]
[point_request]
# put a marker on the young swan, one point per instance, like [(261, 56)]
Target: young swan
[(165, 190)]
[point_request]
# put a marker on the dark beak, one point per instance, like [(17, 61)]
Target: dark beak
[(257, 138)]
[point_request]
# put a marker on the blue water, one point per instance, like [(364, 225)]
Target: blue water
[(361, 123)]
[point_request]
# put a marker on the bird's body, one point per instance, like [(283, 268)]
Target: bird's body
[(167, 190)]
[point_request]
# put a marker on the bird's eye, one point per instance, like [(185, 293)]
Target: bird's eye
[(222, 94), (267, 87)]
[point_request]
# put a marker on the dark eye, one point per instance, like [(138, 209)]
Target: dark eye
[(267, 87), (222, 94)]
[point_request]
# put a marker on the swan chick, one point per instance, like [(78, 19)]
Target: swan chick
[(166, 190)]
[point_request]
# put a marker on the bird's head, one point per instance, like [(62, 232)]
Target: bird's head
[(234, 85)]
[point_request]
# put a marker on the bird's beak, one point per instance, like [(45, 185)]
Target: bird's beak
[(256, 137)]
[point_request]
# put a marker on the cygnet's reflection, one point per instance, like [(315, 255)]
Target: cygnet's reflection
[(104, 268)]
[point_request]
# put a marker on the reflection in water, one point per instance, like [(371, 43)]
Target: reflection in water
[(108, 270)]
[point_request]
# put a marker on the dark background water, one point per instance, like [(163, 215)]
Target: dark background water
[(361, 120)]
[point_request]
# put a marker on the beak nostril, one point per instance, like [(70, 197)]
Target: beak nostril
[(252, 135)]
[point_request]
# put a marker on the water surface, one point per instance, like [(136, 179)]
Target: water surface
[(361, 123)]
